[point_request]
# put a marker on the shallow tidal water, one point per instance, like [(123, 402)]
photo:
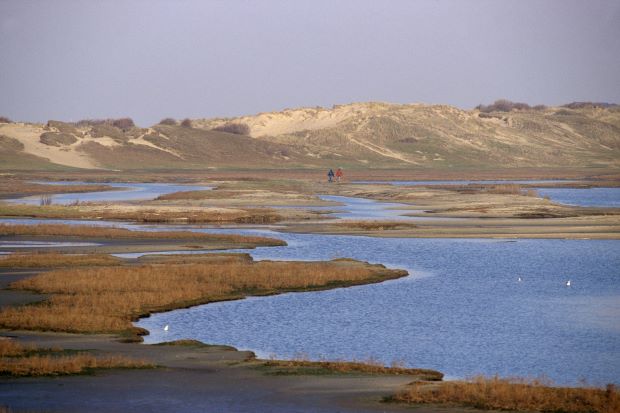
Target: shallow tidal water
[(594, 197), (125, 192), (461, 310)]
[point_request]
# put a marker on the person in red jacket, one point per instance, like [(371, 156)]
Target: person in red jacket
[(339, 174)]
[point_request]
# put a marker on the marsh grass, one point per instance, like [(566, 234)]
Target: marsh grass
[(220, 258), (108, 299), (61, 230), (513, 394), (145, 215), (497, 189), (372, 367), (25, 360), (511, 189), (10, 186), (373, 225), (55, 259)]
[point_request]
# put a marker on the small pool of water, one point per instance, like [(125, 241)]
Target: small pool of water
[(126, 192), (594, 197)]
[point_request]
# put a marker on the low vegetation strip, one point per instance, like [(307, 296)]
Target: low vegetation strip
[(108, 299), (54, 259), (141, 214), (513, 394), (19, 360), (293, 367), (13, 187), (372, 225), (86, 231)]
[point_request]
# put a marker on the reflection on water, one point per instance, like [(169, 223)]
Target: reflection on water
[(126, 192)]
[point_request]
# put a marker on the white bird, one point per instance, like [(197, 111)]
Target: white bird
[(166, 327), (519, 279), (568, 283)]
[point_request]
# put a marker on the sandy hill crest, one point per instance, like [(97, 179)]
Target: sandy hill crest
[(355, 135)]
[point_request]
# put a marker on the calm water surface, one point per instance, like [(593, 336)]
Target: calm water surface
[(597, 197), (461, 311), (600, 197), (126, 192)]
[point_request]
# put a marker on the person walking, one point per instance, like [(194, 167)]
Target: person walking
[(330, 176), (339, 174)]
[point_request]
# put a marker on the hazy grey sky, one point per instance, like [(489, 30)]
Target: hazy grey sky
[(151, 59)]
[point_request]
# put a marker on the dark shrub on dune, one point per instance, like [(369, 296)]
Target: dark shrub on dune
[(168, 121), (236, 128), (503, 105), (123, 123)]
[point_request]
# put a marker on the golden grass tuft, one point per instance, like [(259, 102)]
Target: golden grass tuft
[(11, 348), (513, 394), (107, 299), (22, 360), (55, 259), (86, 231)]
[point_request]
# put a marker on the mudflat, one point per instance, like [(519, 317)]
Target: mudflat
[(191, 378)]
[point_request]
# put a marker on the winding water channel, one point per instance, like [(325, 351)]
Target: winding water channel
[(462, 310), (123, 192)]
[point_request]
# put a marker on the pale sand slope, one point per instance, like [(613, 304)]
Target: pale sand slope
[(296, 120), (28, 135), (69, 155)]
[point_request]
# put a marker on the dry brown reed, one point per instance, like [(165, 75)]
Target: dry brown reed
[(514, 394), (24, 360), (107, 299), (61, 365), (11, 348), (62, 230), (54, 259)]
